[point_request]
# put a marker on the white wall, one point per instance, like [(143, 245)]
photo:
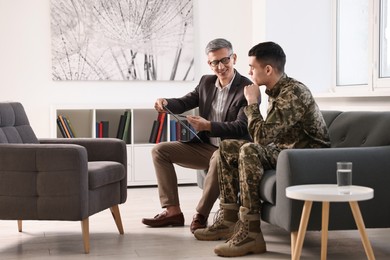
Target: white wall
[(302, 27), (25, 60)]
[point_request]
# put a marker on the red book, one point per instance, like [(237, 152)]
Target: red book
[(100, 130), (160, 119)]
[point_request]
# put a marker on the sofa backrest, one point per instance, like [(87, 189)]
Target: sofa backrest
[(14, 124), (358, 128)]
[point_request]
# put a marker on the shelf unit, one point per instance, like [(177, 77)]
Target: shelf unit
[(140, 165)]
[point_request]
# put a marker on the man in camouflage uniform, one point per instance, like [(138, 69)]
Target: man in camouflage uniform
[(293, 121)]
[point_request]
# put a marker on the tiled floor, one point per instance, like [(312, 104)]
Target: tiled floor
[(62, 240)]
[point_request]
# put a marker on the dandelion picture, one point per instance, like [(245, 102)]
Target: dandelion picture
[(122, 40)]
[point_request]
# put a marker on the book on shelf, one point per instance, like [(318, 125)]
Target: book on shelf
[(67, 134), (61, 127), (172, 129), (161, 118), (179, 132), (69, 126), (158, 133), (105, 127), (102, 129), (99, 130), (126, 135), (65, 127), (154, 131), (164, 132), (121, 126)]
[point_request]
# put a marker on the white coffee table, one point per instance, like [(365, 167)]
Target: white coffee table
[(327, 193)]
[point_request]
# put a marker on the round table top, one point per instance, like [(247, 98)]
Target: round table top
[(328, 192)]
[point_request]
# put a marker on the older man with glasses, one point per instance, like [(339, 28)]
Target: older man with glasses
[(220, 101)]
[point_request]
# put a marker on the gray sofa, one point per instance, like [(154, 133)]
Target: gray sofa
[(360, 137)]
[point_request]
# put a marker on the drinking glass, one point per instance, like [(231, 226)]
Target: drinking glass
[(344, 177)]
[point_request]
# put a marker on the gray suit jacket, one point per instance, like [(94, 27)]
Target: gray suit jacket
[(235, 121)]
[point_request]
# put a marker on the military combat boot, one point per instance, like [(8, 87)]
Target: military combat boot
[(223, 226), (247, 237)]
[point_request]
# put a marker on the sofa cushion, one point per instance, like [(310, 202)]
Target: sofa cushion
[(268, 187), (330, 115), (102, 173), (360, 129)]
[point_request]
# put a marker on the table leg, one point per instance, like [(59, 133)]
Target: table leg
[(302, 229), (362, 229), (324, 229), (294, 236)]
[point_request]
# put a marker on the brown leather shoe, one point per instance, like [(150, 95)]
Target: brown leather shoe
[(162, 220), (198, 221)]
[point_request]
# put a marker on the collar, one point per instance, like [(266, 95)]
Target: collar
[(274, 92), (219, 87)]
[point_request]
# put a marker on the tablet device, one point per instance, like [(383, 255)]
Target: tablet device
[(182, 124)]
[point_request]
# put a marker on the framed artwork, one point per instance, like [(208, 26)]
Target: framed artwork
[(122, 40)]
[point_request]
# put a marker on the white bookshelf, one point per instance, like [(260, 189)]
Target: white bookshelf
[(140, 167)]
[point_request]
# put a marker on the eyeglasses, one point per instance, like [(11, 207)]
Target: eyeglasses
[(224, 61)]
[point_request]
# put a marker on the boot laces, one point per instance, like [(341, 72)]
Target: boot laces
[(240, 233), (218, 220)]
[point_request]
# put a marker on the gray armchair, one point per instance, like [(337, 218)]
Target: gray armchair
[(58, 179)]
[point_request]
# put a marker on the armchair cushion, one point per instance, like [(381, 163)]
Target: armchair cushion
[(99, 149), (14, 125), (103, 173)]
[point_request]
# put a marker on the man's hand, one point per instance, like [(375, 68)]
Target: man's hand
[(252, 94), (159, 104), (199, 123)]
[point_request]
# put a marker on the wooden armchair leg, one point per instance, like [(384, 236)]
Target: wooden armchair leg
[(117, 217), (20, 225), (85, 231)]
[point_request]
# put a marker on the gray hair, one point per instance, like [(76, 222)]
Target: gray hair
[(217, 44)]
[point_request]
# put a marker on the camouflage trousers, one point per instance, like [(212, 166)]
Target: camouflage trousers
[(240, 169)]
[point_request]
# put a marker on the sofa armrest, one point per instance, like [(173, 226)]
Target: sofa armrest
[(34, 177), (98, 149), (371, 166)]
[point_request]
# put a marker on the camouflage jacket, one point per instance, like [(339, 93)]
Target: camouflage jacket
[(293, 118)]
